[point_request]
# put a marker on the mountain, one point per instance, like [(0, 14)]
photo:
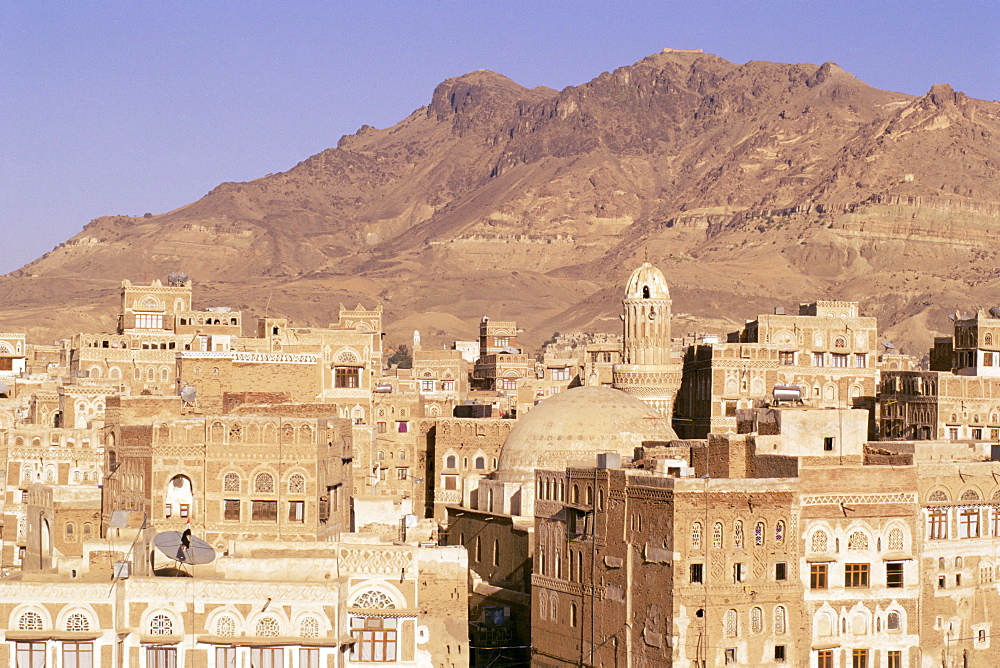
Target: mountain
[(751, 186)]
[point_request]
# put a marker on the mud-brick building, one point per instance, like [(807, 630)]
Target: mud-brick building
[(245, 476), (461, 452)]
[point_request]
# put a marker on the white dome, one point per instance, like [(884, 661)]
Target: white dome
[(572, 427)]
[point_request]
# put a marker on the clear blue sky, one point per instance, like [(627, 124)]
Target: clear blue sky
[(127, 107)]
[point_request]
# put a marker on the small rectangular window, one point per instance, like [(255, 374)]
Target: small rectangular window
[(730, 655), (817, 576), (381, 427), (839, 360), (739, 572), (231, 511), (168, 510), (779, 571), (296, 511), (894, 574), (450, 481), (185, 510), (264, 511), (817, 359), (696, 573), (779, 653), (828, 443), (860, 360), (856, 575), (824, 658), (402, 427), (402, 473), (859, 658), (895, 658), (786, 358)]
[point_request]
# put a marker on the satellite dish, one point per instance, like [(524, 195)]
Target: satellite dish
[(4, 388), (952, 316), (189, 394), (889, 345), (995, 311), (184, 548)]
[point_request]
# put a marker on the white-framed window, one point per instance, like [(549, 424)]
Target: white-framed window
[(427, 386), (860, 360), (149, 320), (447, 385), (560, 374), (817, 359), (839, 360)]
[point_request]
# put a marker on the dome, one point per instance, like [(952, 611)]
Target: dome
[(572, 427), (649, 277)]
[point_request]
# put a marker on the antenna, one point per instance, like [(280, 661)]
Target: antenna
[(888, 345), (184, 548), (189, 395), (995, 311)]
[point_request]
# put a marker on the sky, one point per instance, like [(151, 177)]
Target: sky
[(112, 108)]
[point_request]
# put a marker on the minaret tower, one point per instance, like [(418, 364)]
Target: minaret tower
[(646, 371)]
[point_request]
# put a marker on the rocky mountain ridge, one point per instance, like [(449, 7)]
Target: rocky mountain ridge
[(751, 186)]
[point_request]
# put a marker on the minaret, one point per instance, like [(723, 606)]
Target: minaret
[(646, 371)]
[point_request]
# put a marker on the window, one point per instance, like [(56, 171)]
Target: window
[(402, 427), (730, 655), (953, 433), (509, 384), (731, 624), (296, 511), (297, 484), (447, 385), (780, 617), (160, 625), (824, 658), (894, 574), (376, 639), (857, 541), (779, 653), (30, 654), (231, 483), (496, 553), (839, 360), (730, 409), (402, 472), (756, 620), (856, 575), (264, 483), (381, 427), (308, 657), (347, 377), (231, 510), (739, 572), (78, 655), (149, 320), (859, 658), (987, 359), (938, 521), (267, 657), (968, 523), (696, 573), (780, 571), (264, 511), (185, 509), (573, 615), (892, 621), (819, 541), (560, 374), (168, 510), (895, 658), (225, 657), (480, 463), (450, 481), (817, 576), (717, 535), (427, 386), (450, 462), (696, 535), (860, 360), (828, 443), (787, 358), (758, 533), (817, 359)]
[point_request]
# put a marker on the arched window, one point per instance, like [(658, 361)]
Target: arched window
[(756, 620), (576, 494), (779, 532), (970, 495), (70, 529), (268, 627), (858, 540), (309, 627), (892, 621), (572, 615), (480, 463), (87, 528), (77, 622), (731, 624), (496, 553), (231, 483), (895, 539), (225, 626), (820, 541), (590, 496), (779, 619), (160, 625), (264, 483), (600, 499), (738, 534), (717, 535), (696, 535), (938, 495), (373, 600), (30, 621), (296, 484), (758, 533), (449, 462)]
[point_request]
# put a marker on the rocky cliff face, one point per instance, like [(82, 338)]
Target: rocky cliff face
[(751, 185)]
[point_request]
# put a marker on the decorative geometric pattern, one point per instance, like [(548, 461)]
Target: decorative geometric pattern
[(231, 483), (225, 626), (819, 541), (779, 532), (970, 495), (77, 622), (373, 600), (857, 541), (375, 561), (309, 627), (937, 496), (779, 620), (758, 533), (264, 483), (731, 624), (296, 484), (717, 536), (268, 627), (900, 497), (896, 540), (160, 625), (756, 620), (738, 534), (30, 621), (696, 535)]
